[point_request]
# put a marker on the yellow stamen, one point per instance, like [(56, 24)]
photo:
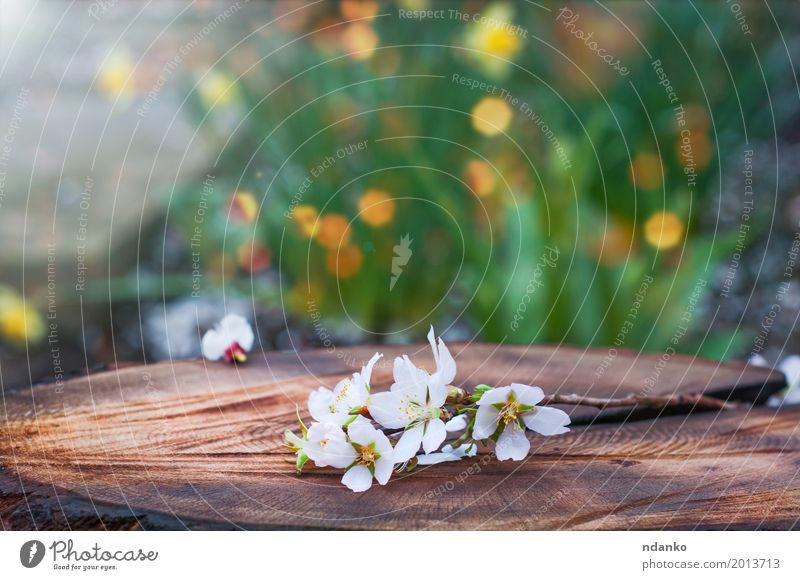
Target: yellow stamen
[(509, 413), (367, 457)]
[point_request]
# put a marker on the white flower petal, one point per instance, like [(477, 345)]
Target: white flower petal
[(383, 469), (358, 478), (407, 377), (445, 365), (293, 439), (327, 445), (434, 436), (526, 394), (235, 328), (448, 454), (366, 371), (437, 393), (319, 403), (547, 421), (361, 433), (383, 446), (436, 458), (213, 345), (494, 396), (485, 422), (469, 450), (457, 423), (790, 366), (347, 394), (512, 444), (408, 445), (386, 409), (338, 454)]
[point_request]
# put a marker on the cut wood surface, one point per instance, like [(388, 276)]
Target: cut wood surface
[(194, 444)]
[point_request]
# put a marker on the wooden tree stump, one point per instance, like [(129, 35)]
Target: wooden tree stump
[(193, 444)]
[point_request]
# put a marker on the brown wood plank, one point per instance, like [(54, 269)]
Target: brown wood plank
[(195, 444)]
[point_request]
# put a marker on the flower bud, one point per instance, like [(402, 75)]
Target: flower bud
[(455, 394)]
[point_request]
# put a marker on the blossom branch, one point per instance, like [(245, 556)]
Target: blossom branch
[(679, 400)]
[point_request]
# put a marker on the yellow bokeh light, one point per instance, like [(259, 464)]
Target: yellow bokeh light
[(491, 116), (480, 177), (694, 148), (254, 257), (217, 89), (494, 39), (114, 77), (333, 231), (19, 321), (244, 207), (359, 40), (646, 171), (345, 262), (355, 9), (663, 230), (306, 218), (376, 207)]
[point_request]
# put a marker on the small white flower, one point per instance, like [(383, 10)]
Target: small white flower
[(414, 402), (448, 454), (334, 406), (509, 410), (327, 445), (370, 455), (231, 338)]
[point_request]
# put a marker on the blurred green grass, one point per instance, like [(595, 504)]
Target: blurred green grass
[(483, 206)]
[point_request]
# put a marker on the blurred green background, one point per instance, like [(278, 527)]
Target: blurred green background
[(598, 174)]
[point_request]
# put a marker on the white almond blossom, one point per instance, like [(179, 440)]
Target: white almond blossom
[(414, 402), (335, 406), (448, 453), (326, 445), (232, 338), (415, 409), (505, 412), (370, 455)]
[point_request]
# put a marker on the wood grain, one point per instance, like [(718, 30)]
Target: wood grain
[(192, 444)]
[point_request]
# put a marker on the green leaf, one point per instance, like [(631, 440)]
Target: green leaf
[(301, 461), (478, 392)]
